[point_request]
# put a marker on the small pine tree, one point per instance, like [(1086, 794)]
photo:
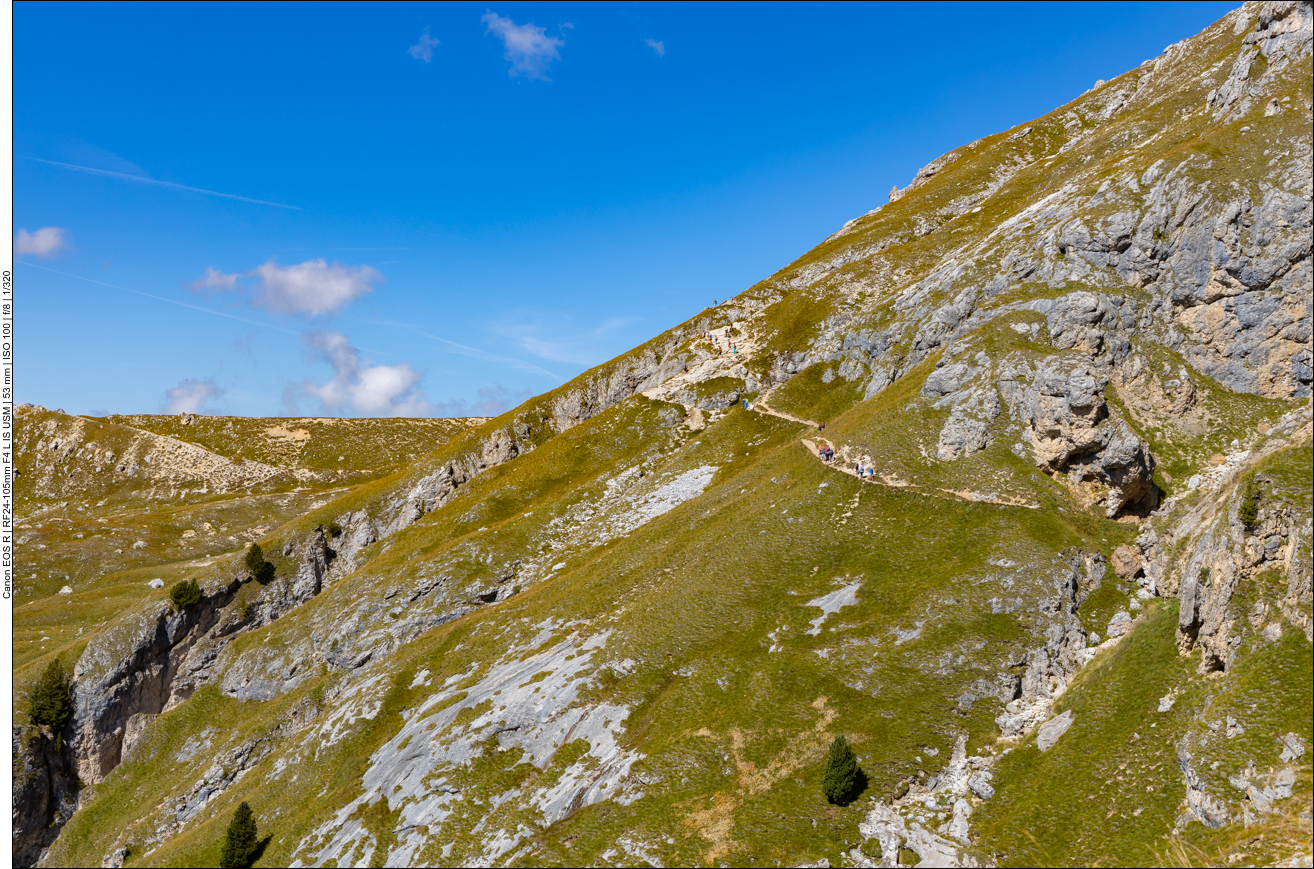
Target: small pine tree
[(840, 774), (52, 700), (1248, 510), (240, 840), (255, 559), (185, 594), (262, 570)]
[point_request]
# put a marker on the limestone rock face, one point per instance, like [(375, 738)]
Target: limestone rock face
[(1071, 433), (158, 658), (45, 792), (1050, 732), (1128, 563)]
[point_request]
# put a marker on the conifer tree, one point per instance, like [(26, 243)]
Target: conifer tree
[(255, 559), (185, 594), (840, 774), (1248, 511), (240, 840), (52, 701), (255, 562)]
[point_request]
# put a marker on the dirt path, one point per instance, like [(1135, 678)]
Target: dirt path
[(762, 407), (844, 466)]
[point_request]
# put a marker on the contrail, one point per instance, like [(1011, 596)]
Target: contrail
[(462, 350), (163, 299), (139, 178)]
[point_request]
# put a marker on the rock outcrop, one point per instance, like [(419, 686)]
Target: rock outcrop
[(45, 792)]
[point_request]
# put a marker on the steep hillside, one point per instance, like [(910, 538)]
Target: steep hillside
[(1054, 586)]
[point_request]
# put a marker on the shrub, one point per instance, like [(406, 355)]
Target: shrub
[(240, 840), (255, 559), (839, 777), (52, 700), (260, 569), (334, 529), (185, 594), (1248, 510)]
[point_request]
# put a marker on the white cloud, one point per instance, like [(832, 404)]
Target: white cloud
[(44, 243), (493, 400), (371, 390), (423, 50), (314, 287), (527, 47), (192, 396), (658, 47), (214, 281)]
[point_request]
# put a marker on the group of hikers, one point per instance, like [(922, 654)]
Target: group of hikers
[(716, 344), (827, 454)]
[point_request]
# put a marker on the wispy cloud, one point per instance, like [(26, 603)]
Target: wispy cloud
[(45, 243), (659, 48), (561, 342), (213, 313), (423, 50), (214, 281), (192, 396), (372, 390), (312, 288), (493, 401), (141, 179), (450, 346), (528, 48)]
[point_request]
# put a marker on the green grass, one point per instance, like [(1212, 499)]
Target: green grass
[(1109, 791), (307, 442), (805, 395), (697, 588)]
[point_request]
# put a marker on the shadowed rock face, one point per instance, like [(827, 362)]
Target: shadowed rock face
[(112, 684), (160, 658), (45, 793)]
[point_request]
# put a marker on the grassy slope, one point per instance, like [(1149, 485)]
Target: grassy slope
[(358, 444), (1110, 792), (89, 543), (696, 590)]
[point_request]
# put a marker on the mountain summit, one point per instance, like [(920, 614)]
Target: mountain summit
[(1007, 483)]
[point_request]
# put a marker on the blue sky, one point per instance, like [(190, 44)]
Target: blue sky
[(418, 209)]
